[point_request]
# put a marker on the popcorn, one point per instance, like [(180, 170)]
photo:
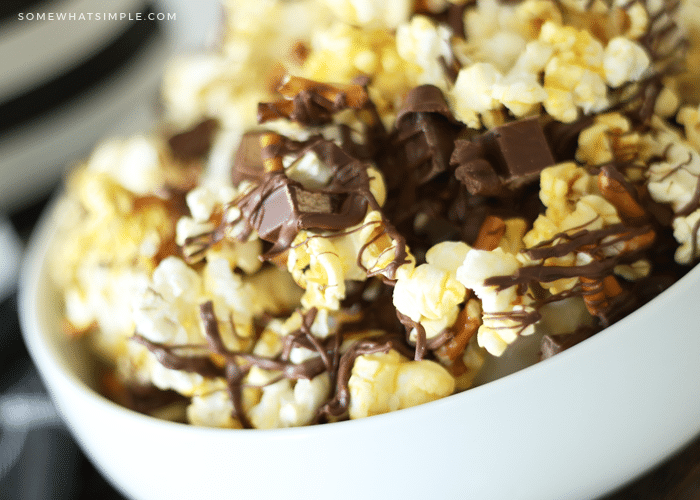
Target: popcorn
[(624, 61), (316, 266), (506, 314), (520, 93), (286, 405), (381, 383), (472, 94), (689, 117), (344, 52), (674, 179), (105, 259), (573, 204), (430, 291), (321, 265), (200, 237), (686, 233), (425, 44), (609, 139), (133, 163), (576, 69), (367, 13), (352, 207), (573, 75), (212, 410)]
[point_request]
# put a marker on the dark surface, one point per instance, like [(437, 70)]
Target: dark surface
[(50, 466)]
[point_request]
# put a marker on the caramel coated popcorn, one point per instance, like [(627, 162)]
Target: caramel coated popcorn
[(352, 207)]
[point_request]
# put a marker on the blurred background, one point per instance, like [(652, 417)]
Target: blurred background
[(64, 85)]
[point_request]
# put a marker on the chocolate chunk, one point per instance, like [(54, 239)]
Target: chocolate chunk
[(279, 207), (476, 173), (425, 133), (521, 149), (563, 137), (424, 99), (554, 344), (194, 143), (513, 155)]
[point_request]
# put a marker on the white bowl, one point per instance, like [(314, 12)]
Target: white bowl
[(574, 426)]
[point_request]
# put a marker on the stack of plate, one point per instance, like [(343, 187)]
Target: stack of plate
[(66, 83)]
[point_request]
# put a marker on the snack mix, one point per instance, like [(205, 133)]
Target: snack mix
[(352, 207)]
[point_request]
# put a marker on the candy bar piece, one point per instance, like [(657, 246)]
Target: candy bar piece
[(194, 143), (283, 202), (520, 149), (514, 153), (425, 133), (279, 207)]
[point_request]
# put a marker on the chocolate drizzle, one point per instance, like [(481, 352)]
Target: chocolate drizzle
[(338, 406), (279, 207), (238, 363), (199, 359), (443, 181)]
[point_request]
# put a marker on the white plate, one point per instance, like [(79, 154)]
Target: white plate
[(574, 426)]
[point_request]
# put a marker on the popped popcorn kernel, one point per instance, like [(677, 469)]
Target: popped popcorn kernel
[(212, 410), (287, 404), (428, 292), (689, 117), (506, 314), (686, 233), (624, 61), (471, 94), (425, 43), (674, 179), (381, 383), (610, 138), (368, 13), (134, 163), (334, 53)]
